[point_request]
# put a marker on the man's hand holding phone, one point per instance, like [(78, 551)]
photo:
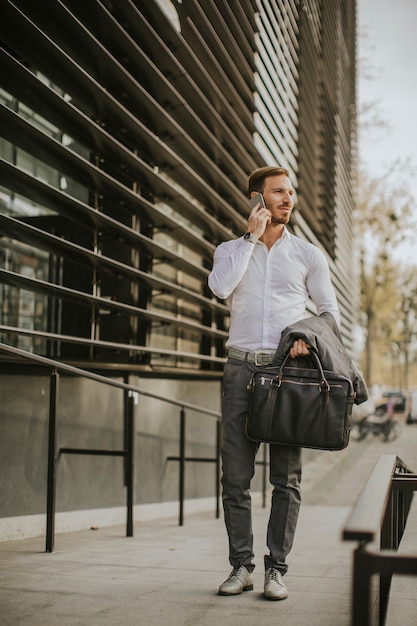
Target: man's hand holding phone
[(259, 216), (257, 201)]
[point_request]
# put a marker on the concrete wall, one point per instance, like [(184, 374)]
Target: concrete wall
[(90, 489)]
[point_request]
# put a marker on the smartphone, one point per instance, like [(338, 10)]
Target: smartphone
[(256, 200)]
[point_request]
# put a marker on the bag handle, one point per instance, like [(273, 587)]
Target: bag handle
[(323, 380), (323, 386)]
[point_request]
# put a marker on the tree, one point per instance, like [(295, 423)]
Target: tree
[(407, 320), (383, 219)]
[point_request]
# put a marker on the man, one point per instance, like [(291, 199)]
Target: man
[(266, 276)]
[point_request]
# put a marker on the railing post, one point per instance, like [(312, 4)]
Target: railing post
[(182, 466), (361, 596), (389, 540), (218, 444), (132, 399), (52, 460)]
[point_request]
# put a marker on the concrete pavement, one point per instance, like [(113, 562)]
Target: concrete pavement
[(168, 574)]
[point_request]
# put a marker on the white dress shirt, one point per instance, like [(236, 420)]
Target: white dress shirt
[(266, 290)]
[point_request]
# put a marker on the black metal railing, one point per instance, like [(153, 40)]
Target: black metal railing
[(131, 396), (182, 459), (380, 514)]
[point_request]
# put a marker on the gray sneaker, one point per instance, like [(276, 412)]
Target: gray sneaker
[(274, 588), (239, 580)]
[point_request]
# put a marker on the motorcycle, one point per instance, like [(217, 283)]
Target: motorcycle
[(380, 424)]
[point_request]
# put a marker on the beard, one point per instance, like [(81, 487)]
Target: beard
[(283, 219)]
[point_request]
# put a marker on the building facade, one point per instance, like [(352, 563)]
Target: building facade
[(128, 130)]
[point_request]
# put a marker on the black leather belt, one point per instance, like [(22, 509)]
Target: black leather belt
[(259, 358)]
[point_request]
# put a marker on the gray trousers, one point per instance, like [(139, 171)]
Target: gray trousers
[(238, 464)]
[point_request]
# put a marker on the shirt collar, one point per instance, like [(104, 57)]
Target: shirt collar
[(284, 235)]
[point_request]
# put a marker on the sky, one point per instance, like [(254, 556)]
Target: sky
[(388, 42)]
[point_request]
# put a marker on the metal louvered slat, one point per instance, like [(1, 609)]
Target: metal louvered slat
[(242, 25), (111, 345), (240, 51), (46, 148), (126, 156), (176, 118), (150, 121), (137, 239), (223, 62), (30, 90), (76, 211), (61, 247), (174, 85), (191, 68), (57, 291), (209, 48), (201, 218), (94, 58)]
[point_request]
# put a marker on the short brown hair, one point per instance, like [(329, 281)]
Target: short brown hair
[(256, 180)]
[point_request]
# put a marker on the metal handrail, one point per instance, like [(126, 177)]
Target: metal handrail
[(380, 513), (131, 394), (365, 520), (77, 371)]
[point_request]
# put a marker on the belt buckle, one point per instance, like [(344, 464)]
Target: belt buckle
[(259, 354)]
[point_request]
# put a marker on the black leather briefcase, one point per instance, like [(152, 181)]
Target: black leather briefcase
[(302, 406)]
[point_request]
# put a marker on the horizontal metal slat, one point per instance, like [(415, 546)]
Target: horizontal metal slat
[(244, 112), (281, 28), (250, 6), (57, 291), (240, 51), (175, 86), (62, 247), (237, 134), (30, 41), (28, 137), (24, 85), (27, 88), (110, 345), (212, 66), (219, 56), (242, 23), (75, 211), (182, 129), (92, 56)]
